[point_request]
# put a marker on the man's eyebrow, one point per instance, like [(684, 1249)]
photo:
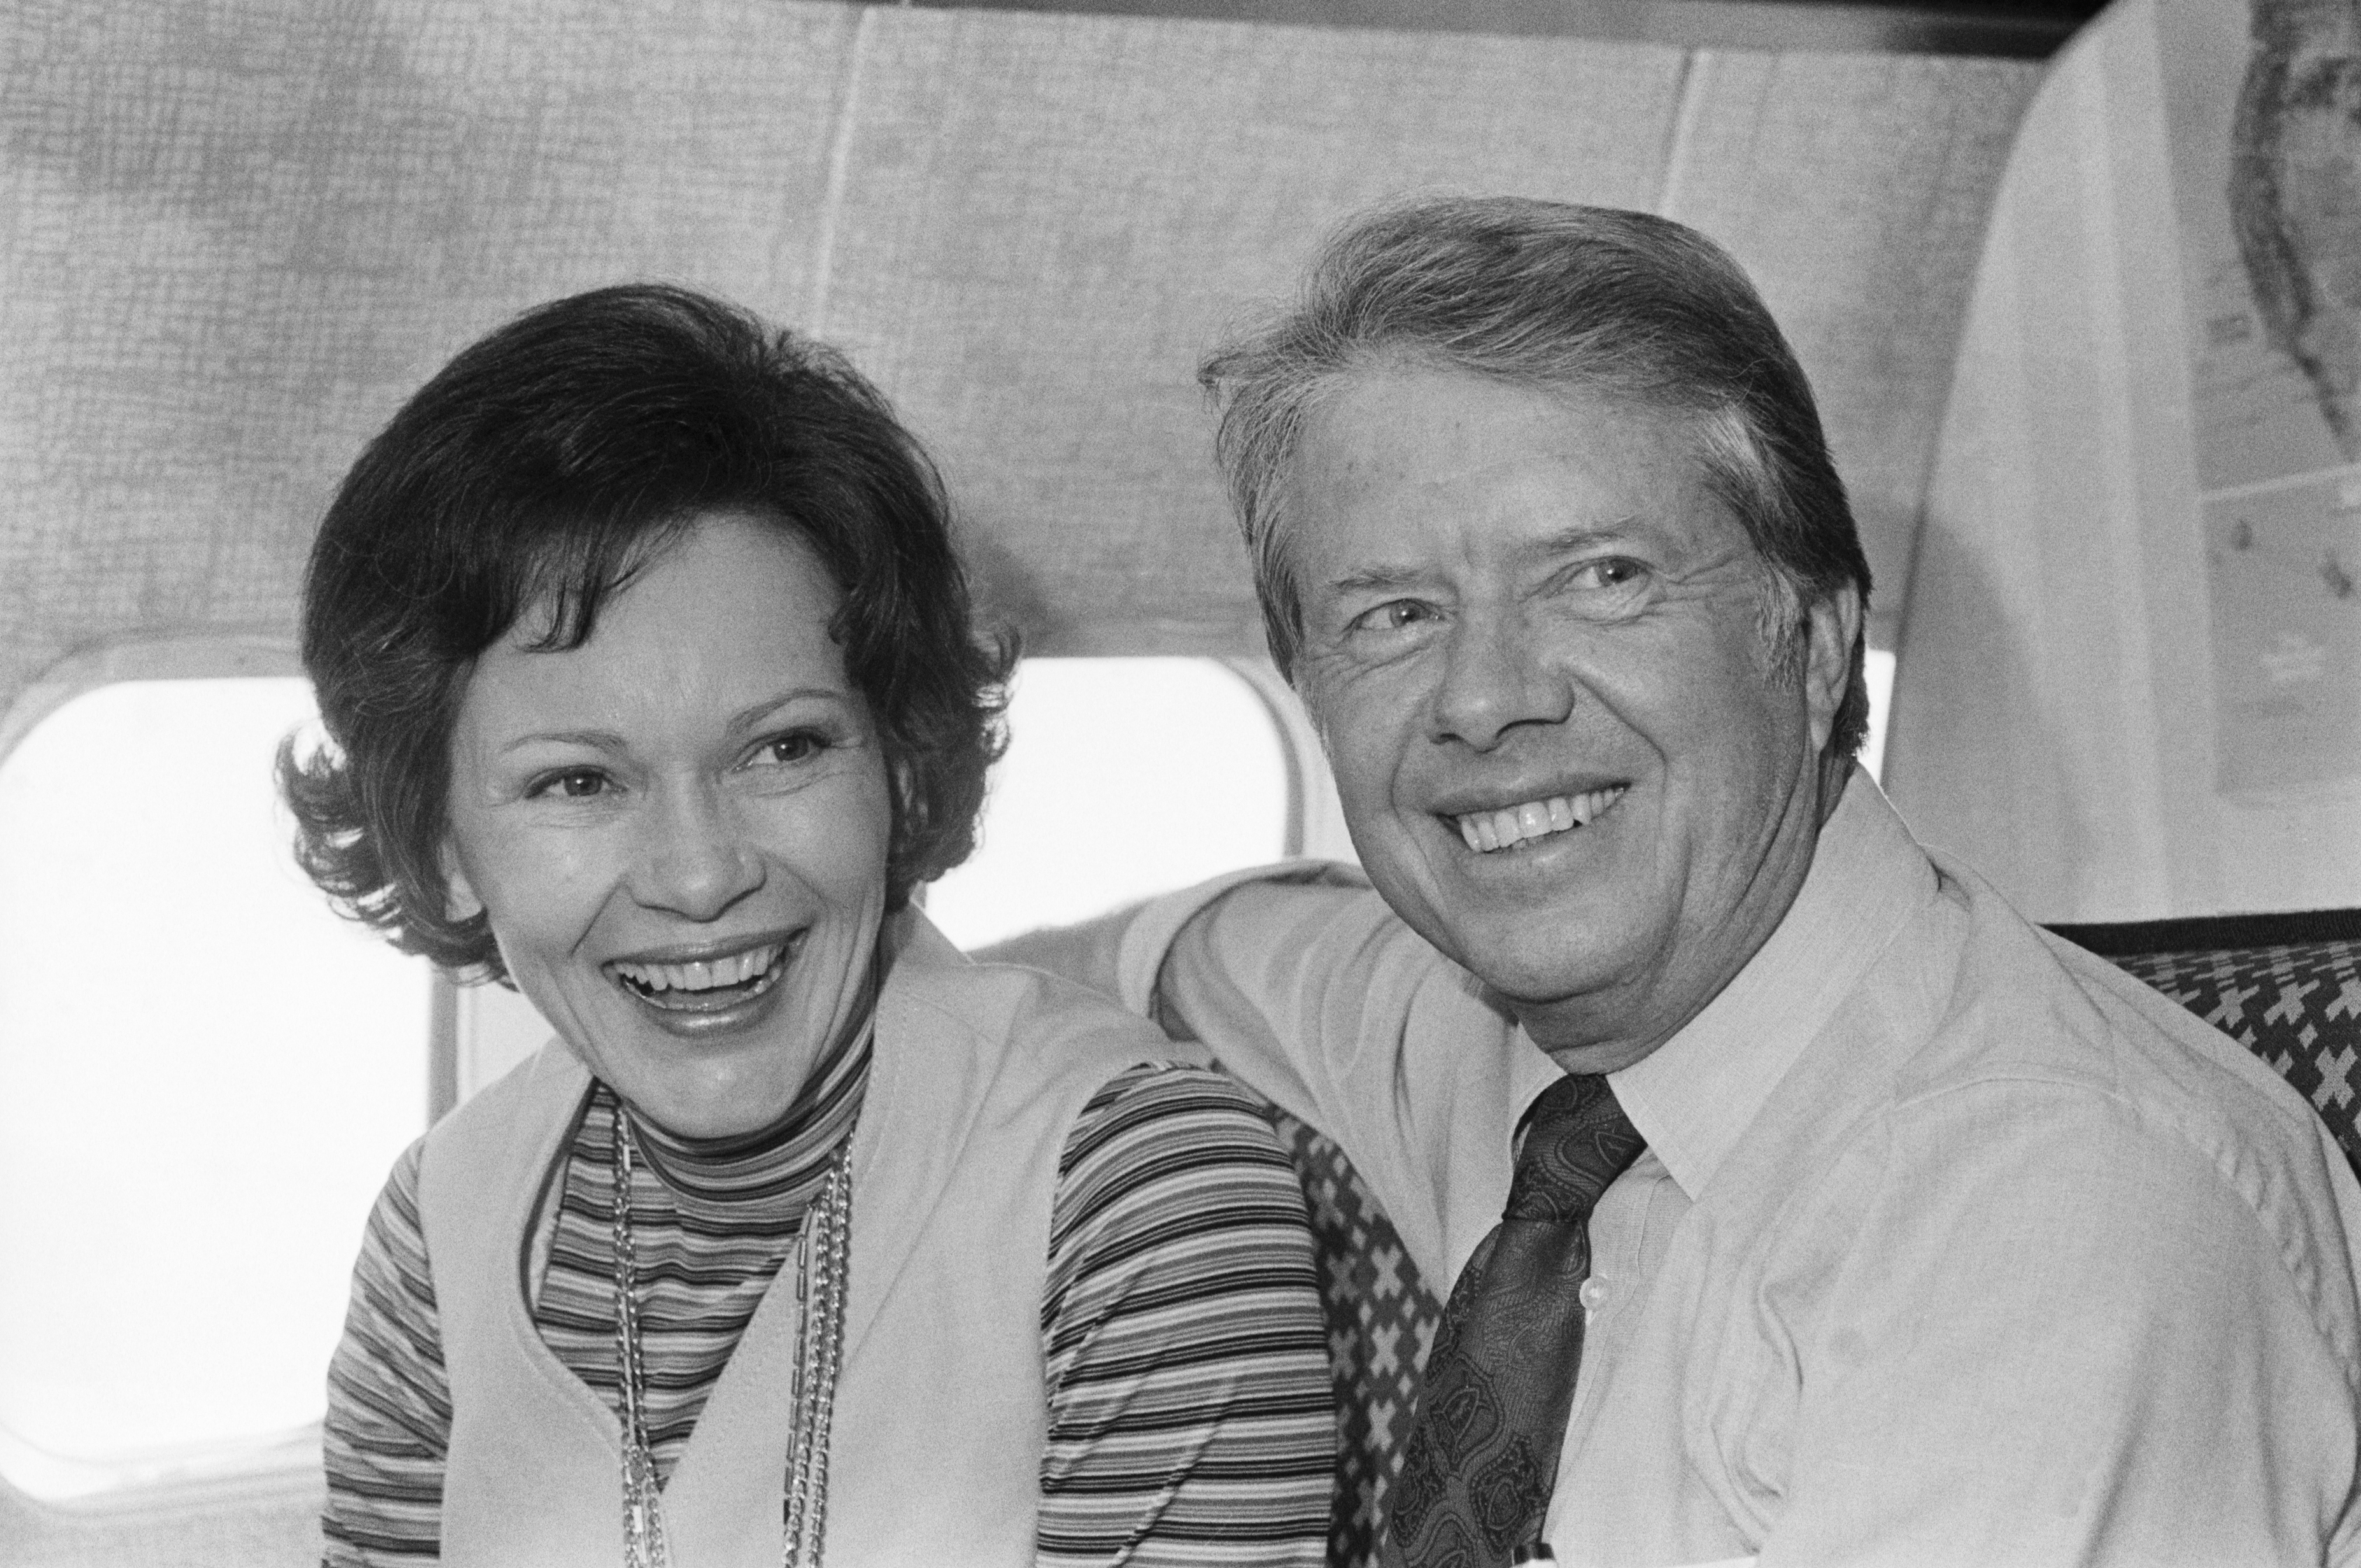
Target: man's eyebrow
[(1374, 579), (1581, 537)]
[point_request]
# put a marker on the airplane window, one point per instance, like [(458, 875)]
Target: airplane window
[(204, 1077), (1877, 670), (1124, 778)]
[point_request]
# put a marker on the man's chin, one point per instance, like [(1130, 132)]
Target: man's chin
[(1542, 965)]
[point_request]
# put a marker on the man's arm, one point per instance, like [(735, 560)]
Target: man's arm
[(1299, 981), (1084, 952), (1236, 962)]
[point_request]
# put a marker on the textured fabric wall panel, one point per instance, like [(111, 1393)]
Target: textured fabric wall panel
[(235, 234), (1047, 220), (1854, 188), (233, 237)]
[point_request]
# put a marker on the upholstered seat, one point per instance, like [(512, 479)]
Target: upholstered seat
[(2288, 987), (1381, 1318)]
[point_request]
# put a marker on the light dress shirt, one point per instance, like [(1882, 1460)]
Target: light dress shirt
[(1951, 1244)]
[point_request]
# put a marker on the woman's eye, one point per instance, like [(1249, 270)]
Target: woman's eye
[(575, 784), (797, 746)]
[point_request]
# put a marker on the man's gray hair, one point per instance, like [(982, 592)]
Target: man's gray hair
[(1596, 300)]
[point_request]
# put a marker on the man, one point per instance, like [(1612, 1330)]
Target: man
[(1948, 1243)]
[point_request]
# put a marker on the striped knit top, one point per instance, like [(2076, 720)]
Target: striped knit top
[(1161, 1448)]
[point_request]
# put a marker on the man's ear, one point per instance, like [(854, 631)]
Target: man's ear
[(459, 899), (1831, 645)]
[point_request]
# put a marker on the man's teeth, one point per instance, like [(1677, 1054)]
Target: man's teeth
[(1488, 830), (735, 970)]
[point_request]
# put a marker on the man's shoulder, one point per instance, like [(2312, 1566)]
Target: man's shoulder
[(2044, 1063), (2023, 1006)]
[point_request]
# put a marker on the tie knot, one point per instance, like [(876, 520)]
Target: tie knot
[(1577, 1141)]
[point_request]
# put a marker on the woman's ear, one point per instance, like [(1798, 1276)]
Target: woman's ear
[(906, 804), (459, 899)]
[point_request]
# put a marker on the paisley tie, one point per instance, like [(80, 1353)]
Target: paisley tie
[(1499, 1380)]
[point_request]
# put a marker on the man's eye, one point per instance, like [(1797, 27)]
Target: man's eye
[(574, 784), (1394, 615), (1615, 572)]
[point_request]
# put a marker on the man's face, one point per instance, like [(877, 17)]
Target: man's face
[(1535, 650)]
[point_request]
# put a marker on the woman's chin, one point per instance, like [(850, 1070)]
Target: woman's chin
[(705, 1114), (724, 1084), (710, 1068)]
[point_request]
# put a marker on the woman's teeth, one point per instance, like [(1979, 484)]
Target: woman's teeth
[(689, 981), (1488, 830)]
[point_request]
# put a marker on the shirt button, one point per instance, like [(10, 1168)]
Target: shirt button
[(1593, 1294)]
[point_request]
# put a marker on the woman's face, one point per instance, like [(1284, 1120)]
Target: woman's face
[(678, 830)]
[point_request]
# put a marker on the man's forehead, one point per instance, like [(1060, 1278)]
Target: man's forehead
[(1402, 464)]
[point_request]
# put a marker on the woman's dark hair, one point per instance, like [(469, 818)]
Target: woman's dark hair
[(545, 466)]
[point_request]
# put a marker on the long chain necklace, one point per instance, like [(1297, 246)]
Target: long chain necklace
[(823, 1258), (643, 1532), (823, 1271)]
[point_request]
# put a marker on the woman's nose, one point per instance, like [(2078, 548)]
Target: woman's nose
[(696, 861), (1494, 679)]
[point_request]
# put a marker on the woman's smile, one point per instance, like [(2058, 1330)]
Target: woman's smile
[(713, 991)]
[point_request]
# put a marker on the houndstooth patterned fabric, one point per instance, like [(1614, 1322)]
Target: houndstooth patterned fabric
[(2298, 1007), (1380, 1323)]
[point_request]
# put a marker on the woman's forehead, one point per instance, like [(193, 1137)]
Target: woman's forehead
[(731, 611)]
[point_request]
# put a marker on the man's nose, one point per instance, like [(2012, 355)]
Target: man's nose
[(1494, 679), (696, 860)]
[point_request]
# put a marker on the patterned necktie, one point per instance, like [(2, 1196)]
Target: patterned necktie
[(1483, 1453)]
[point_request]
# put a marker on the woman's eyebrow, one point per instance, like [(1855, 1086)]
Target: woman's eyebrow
[(747, 718), (597, 739)]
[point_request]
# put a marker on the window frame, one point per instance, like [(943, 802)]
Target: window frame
[(272, 1465)]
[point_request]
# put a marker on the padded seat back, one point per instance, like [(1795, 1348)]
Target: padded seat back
[(2287, 987), (1381, 1318)]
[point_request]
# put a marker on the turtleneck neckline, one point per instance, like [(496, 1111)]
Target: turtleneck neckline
[(731, 1167)]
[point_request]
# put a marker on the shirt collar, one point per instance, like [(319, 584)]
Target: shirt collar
[(1694, 1096)]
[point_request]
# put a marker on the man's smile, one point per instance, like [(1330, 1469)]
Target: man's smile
[(1506, 827)]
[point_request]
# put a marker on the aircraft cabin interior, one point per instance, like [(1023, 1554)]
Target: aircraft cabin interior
[(2078, 288)]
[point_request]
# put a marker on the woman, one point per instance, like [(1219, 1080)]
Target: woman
[(646, 668)]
